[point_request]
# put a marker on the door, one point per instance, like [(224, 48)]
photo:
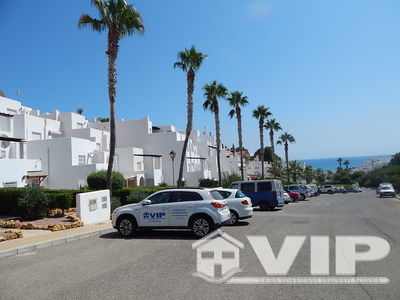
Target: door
[(156, 214), (182, 207)]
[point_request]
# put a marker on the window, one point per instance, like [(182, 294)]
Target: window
[(216, 195), (239, 194), (234, 186), (224, 194), (187, 196), (247, 187), (3, 154), (160, 198), (139, 166), (79, 125), (5, 123), (264, 186), (81, 159), (36, 136)]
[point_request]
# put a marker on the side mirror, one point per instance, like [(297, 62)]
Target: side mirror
[(146, 202)]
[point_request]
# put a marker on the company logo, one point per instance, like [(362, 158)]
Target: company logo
[(158, 215), (218, 259)]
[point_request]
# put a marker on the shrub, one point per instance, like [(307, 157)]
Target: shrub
[(125, 192), (115, 202), (98, 180), (136, 196), (33, 203), (162, 184), (206, 182), (9, 200), (228, 179)]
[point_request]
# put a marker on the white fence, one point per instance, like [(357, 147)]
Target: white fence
[(93, 207)]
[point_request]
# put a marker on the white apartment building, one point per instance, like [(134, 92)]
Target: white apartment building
[(59, 150)]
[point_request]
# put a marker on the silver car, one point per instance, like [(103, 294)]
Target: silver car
[(301, 189)]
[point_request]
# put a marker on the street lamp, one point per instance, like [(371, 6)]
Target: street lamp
[(172, 154)]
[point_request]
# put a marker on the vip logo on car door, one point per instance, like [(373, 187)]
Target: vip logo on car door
[(156, 213)]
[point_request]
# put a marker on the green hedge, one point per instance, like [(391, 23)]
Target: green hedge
[(123, 194), (63, 199), (98, 180)]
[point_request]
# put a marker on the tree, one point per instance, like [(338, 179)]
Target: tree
[(237, 100), (395, 159), (79, 110), (308, 174), (189, 61), (286, 139), (320, 176), (268, 156), (347, 164), (261, 113), (296, 170), (339, 160), (272, 125), (119, 19), (212, 92)]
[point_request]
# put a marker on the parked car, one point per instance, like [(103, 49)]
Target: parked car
[(315, 189), (354, 190), (267, 194), (340, 189), (329, 189), (239, 204), (312, 193), (196, 209), (287, 198), (386, 190), (301, 189), (294, 195)]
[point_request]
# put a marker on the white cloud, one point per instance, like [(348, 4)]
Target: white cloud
[(257, 10)]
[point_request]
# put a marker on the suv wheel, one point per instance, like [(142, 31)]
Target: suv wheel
[(234, 218), (127, 226), (201, 226), (302, 197), (264, 205)]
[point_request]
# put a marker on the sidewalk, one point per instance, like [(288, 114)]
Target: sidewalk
[(37, 239)]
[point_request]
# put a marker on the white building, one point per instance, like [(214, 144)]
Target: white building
[(59, 150)]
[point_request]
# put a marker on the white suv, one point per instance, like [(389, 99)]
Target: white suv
[(196, 209)]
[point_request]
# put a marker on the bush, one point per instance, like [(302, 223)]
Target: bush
[(33, 203), (228, 179), (115, 202), (125, 192), (205, 182), (98, 180), (162, 184)]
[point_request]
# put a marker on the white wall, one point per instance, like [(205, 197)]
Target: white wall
[(93, 207), (13, 170)]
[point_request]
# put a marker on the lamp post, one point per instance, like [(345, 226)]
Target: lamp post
[(172, 154)]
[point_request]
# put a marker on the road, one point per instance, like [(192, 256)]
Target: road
[(159, 264)]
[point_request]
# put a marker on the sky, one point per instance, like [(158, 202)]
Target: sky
[(328, 70)]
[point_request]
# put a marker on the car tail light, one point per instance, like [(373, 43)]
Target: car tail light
[(218, 205), (245, 202), (275, 195)]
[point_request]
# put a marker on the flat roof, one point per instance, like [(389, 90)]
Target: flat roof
[(11, 139)]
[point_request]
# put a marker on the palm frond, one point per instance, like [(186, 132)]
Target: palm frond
[(95, 24)]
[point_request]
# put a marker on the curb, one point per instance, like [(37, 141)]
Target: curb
[(59, 241)]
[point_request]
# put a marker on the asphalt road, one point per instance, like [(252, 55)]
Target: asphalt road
[(159, 264)]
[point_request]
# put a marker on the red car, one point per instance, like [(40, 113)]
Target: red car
[(294, 195)]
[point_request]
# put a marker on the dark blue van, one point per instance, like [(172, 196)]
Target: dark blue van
[(267, 194)]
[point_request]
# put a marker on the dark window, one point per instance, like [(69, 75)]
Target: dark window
[(239, 194), (234, 186), (216, 195), (264, 186), (187, 196), (163, 197), (247, 187), (224, 194)]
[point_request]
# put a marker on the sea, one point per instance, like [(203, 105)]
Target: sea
[(332, 164)]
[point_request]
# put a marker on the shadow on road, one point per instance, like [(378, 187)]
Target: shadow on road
[(148, 234), (267, 211)]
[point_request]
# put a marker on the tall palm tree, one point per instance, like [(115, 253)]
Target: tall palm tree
[(212, 92), (272, 125), (237, 100), (286, 139), (296, 170), (347, 164), (189, 61), (261, 113), (339, 160), (119, 19)]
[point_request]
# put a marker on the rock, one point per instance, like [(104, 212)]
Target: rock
[(2, 238)]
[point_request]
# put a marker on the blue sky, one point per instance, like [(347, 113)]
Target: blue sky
[(328, 70)]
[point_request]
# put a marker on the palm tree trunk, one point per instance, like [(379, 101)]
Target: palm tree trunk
[(271, 139), (287, 161), (239, 120), (261, 128), (218, 136), (112, 52), (190, 88)]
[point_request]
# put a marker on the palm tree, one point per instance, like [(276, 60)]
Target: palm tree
[(339, 160), (347, 164), (286, 139), (119, 19), (212, 92), (189, 61), (273, 126), (308, 174), (296, 170), (261, 113), (237, 100), (79, 110)]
